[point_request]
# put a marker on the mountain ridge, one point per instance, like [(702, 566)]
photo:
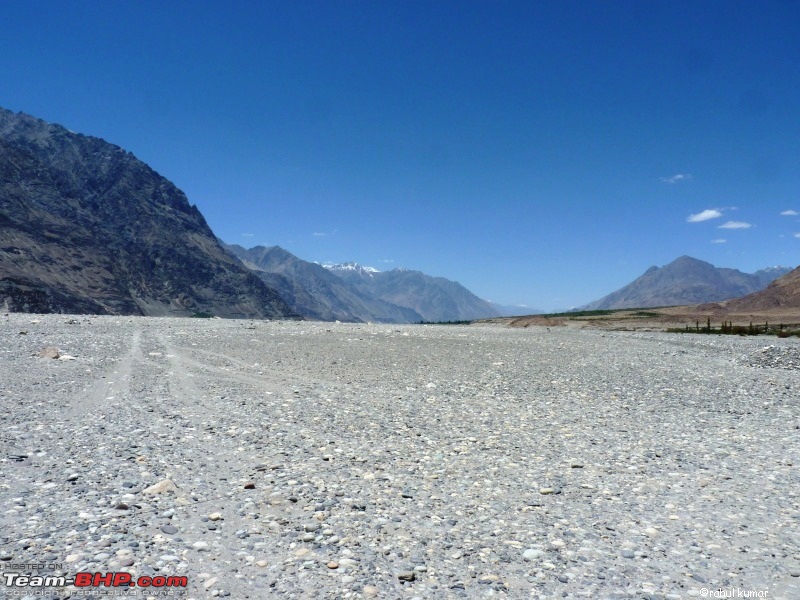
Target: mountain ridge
[(314, 291), (437, 299)]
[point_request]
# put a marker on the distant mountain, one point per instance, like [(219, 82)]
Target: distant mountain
[(770, 274), (314, 291), (783, 292), (435, 298), (686, 280), (85, 227), (515, 310)]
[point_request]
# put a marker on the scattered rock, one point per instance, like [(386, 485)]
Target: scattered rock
[(532, 554), (166, 485)]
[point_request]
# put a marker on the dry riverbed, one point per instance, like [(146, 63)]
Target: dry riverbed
[(320, 460)]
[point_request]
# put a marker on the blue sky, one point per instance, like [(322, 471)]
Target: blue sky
[(540, 153)]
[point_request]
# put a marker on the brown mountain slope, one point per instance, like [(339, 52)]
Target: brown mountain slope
[(783, 293)]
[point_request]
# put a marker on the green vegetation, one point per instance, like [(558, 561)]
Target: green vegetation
[(728, 328), (443, 323), (202, 315)]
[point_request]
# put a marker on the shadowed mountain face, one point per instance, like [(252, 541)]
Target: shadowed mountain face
[(85, 227), (316, 293), (435, 298), (686, 281)]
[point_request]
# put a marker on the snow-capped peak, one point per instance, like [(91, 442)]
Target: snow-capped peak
[(351, 266)]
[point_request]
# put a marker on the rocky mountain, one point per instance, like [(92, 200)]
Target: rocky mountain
[(686, 280), (315, 292), (85, 227), (435, 298)]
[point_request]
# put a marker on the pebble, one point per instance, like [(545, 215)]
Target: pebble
[(532, 554), (366, 475), (49, 352), (167, 485)]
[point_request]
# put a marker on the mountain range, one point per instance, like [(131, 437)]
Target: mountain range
[(86, 227), (686, 280), (435, 298), (316, 292), (351, 292)]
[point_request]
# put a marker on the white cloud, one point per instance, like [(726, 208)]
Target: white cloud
[(248, 234), (790, 213), (718, 241), (386, 260), (797, 235), (707, 214), (324, 233), (735, 225), (677, 178)]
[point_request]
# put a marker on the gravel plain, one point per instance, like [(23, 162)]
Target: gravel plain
[(325, 460)]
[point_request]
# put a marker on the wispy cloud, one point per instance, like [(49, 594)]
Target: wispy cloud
[(386, 260), (790, 213), (248, 234), (736, 225), (324, 233), (707, 214), (797, 235), (719, 241), (677, 178)]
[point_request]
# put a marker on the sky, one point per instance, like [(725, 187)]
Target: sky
[(542, 152)]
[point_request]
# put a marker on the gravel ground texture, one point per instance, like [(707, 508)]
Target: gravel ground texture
[(325, 460)]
